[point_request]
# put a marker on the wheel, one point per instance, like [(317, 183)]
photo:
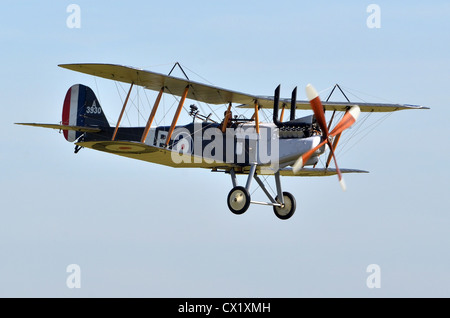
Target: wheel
[(288, 209), (238, 200)]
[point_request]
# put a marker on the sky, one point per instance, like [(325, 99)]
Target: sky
[(136, 229)]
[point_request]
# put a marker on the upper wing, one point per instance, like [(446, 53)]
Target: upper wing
[(267, 102), (211, 94)]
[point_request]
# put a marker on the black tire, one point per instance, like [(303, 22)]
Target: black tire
[(238, 200), (288, 210)]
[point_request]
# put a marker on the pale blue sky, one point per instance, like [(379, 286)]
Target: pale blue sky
[(137, 229)]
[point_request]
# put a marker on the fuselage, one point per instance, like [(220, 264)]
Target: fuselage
[(239, 144)]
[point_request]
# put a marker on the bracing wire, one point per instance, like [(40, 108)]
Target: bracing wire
[(135, 100), (357, 129), (375, 125), (359, 92), (266, 183), (120, 96), (197, 75), (99, 98)]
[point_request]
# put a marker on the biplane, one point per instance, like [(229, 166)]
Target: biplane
[(237, 145)]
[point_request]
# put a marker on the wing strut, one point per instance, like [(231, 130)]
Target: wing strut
[(257, 116), (121, 113), (226, 119), (177, 114), (152, 115)]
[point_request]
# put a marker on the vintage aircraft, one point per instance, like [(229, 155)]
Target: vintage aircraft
[(237, 145)]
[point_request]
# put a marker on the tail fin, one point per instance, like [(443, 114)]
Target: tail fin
[(81, 108)]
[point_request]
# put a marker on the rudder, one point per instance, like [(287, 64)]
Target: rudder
[(81, 108)]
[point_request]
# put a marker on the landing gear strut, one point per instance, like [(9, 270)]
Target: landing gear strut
[(239, 200)]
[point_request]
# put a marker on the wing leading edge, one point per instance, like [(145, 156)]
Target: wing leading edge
[(339, 106), (212, 94)]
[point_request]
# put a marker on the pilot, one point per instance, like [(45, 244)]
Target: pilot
[(227, 118)]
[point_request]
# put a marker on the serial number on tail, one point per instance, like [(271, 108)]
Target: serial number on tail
[(93, 109)]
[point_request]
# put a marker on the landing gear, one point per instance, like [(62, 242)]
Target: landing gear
[(238, 200), (287, 210)]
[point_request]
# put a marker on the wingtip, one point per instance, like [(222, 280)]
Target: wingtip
[(409, 106)]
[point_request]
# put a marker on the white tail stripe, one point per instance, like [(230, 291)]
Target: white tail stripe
[(73, 117)]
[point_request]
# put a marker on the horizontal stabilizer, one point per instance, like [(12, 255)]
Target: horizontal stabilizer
[(63, 127)]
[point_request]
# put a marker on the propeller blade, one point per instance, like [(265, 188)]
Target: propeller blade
[(335, 143), (341, 179), (317, 108), (348, 120), (298, 165)]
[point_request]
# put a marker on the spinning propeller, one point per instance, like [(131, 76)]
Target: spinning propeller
[(347, 121)]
